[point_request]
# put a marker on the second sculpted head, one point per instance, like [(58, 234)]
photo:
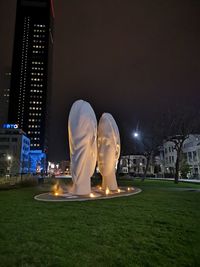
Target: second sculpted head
[(108, 145)]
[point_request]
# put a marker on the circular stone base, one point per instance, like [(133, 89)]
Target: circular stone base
[(96, 193)]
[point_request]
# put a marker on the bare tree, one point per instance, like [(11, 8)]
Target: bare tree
[(180, 125), (174, 126), (178, 141), (150, 138)]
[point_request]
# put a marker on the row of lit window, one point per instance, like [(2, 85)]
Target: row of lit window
[(26, 30), (24, 45), (24, 58), (23, 77), (23, 69), (38, 46), (35, 96), (36, 68), (33, 132), (35, 138), (33, 126), (26, 48), (38, 41), (25, 34), (38, 52), (37, 73), (38, 30), (35, 114), (36, 120), (20, 102), (25, 40), (36, 91), (37, 63), (39, 25), (36, 79), (34, 108), (35, 145), (36, 85), (35, 102), (38, 35)]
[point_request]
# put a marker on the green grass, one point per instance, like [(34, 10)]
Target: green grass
[(158, 227)]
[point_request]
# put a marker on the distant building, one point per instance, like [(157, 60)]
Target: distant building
[(4, 96), (14, 151), (37, 162), (65, 167), (134, 164), (190, 154), (30, 89)]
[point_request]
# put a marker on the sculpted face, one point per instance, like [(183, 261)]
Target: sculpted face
[(82, 128), (108, 149), (106, 155)]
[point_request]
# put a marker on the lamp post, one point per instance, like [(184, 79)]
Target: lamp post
[(9, 158)]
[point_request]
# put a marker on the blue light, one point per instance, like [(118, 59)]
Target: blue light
[(37, 161), (10, 126)]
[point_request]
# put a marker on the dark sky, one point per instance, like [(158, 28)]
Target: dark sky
[(134, 59)]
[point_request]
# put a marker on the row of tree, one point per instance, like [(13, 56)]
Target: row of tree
[(171, 126)]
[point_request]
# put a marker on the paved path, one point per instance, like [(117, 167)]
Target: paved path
[(180, 180)]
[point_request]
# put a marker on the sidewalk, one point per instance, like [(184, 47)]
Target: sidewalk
[(180, 180)]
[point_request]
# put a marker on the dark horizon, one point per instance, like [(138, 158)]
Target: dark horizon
[(135, 60)]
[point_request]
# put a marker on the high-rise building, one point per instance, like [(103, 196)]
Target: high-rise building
[(4, 95), (31, 70)]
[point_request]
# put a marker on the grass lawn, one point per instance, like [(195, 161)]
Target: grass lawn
[(158, 227)]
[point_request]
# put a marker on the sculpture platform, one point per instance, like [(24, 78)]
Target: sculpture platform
[(96, 194)]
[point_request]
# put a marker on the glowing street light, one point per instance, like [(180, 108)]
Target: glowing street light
[(9, 158), (52, 165)]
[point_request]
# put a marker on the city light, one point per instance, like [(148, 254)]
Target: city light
[(136, 134)]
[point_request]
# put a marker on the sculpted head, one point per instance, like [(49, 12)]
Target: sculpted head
[(82, 128), (108, 149)]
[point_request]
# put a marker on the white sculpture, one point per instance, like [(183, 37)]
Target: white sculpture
[(108, 150), (82, 128)]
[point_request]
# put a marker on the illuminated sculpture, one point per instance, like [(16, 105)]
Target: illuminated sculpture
[(108, 150), (82, 128)]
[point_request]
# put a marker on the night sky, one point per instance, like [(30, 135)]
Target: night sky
[(134, 59)]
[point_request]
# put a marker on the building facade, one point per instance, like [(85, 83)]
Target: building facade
[(14, 151), (190, 156), (31, 70), (134, 164)]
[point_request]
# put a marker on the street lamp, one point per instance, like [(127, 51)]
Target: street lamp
[(9, 158)]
